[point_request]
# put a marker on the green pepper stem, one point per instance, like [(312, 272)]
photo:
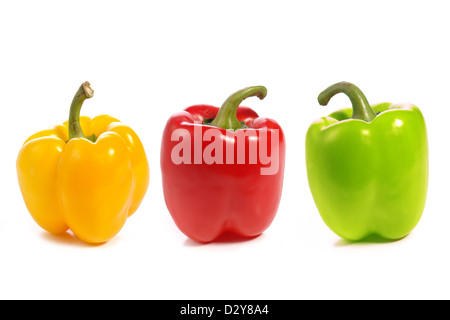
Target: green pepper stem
[(226, 117), (84, 92), (361, 107)]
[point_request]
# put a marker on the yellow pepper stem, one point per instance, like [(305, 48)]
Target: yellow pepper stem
[(84, 92)]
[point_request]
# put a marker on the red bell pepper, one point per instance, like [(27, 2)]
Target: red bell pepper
[(222, 170)]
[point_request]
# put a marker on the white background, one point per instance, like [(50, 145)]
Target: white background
[(149, 59)]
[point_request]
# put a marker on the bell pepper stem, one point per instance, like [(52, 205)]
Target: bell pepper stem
[(226, 117), (361, 107), (84, 92)]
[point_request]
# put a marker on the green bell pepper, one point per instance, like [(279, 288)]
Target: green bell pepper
[(367, 166)]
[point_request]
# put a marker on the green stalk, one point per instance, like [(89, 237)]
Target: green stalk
[(226, 117), (84, 92), (361, 107)]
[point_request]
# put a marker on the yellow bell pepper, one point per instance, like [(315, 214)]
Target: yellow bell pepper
[(88, 175)]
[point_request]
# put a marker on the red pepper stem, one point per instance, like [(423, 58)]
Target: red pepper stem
[(226, 117), (361, 107), (84, 92)]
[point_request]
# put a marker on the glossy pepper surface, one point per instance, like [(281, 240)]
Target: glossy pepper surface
[(222, 169), (88, 175), (367, 166)]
